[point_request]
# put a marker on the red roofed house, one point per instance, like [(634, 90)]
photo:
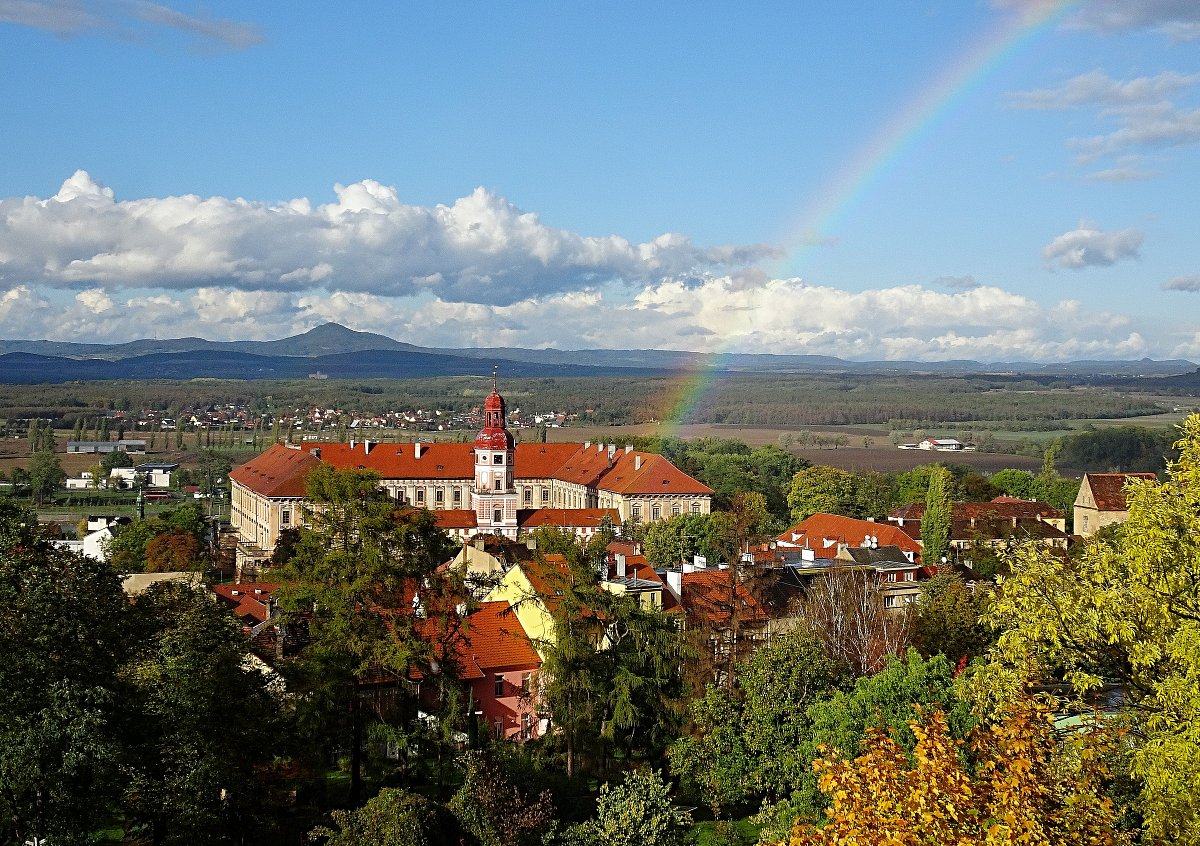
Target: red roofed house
[(1101, 500), (495, 657), (494, 485), (825, 533), (1002, 520)]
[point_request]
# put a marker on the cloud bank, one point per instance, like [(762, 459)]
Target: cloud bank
[(82, 265), (479, 249)]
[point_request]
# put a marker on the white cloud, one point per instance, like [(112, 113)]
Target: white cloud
[(479, 249), (1145, 117), (1124, 173), (1088, 246), (1159, 126), (1183, 283), (718, 313), (1096, 88), (95, 300), (124, 18), (20, 308), (1177, 19)]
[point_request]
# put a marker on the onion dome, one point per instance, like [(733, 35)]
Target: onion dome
[(494, 434)]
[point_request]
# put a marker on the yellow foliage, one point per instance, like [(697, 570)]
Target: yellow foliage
[(1026, 788)]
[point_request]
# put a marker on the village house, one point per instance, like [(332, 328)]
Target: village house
[(1101, 500), (997, 523)]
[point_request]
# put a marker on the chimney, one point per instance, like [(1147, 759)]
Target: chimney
[(637, 462), (612, 450), (599, 447), (587, 444), (675, 583), (620, 559), (352, 443), (316, 453), (367, 447), (417, 449), (628, 448)]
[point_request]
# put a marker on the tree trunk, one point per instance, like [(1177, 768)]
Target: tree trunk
[(356, 740)]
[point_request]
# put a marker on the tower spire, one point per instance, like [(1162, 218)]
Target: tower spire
[(495, 390)]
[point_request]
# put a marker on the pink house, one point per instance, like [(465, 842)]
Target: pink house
[(495, 657)]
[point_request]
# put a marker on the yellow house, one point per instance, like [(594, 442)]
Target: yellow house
[(533, 589)]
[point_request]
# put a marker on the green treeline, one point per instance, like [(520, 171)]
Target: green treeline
[(770, 400)]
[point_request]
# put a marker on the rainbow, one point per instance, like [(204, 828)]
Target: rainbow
[(861, 172)]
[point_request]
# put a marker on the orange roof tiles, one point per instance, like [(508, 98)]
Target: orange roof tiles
[(567, 517), (845, 530), (249, 601), (707, 599), (1108, 489), (278, 472), (456, 519), (656, 475), (492, 639), (1002, 506), (622, 472)]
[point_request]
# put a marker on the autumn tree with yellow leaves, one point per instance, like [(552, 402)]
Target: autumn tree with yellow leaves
[(1124, 616), (1012, 782)]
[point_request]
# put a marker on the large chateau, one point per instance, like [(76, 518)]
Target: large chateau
[(494, 486)]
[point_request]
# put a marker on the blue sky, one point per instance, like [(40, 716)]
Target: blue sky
[(925, 179)]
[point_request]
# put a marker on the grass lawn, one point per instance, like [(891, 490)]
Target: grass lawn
[(708, 833)]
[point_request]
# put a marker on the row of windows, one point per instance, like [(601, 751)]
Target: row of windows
[(656, 511)]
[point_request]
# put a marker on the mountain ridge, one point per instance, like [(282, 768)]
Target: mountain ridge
[(309, 350)]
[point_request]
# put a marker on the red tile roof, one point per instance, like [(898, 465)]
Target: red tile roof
[(567, 518), (247, 600), (706, 599), (656, 475), (1004, 507), (278, 472), (456, 519), (492, 639), (1108, 489), (629, 473), (821, 527)]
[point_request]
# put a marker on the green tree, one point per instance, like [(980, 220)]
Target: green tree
[(822, 490), (638, 812), (394, 817), (62, 634), (678, 538), (116, 458), (889, 701), (214, 467), (948, 619), (202, 727), (358, 555), (1018, 483), (935, 523), (45, 476), (1123, 611), (746, 745), (495, 810)]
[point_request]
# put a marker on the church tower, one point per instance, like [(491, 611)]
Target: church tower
[(494, 497)]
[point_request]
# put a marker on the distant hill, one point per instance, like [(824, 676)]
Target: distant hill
[(340, 352)]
